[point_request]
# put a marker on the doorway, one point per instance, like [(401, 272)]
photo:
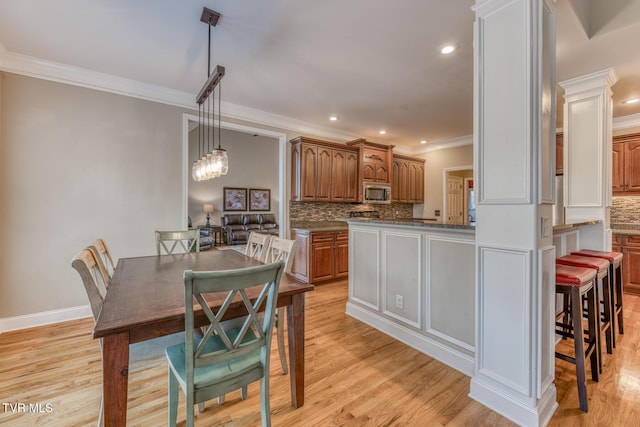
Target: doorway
[(458, 196)]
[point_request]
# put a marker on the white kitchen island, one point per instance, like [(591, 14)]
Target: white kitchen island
[(415, 281)]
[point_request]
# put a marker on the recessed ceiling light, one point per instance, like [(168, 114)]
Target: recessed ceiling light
[(631, 101), (447, 49), (423, 142), (333, 118), (382, 132)]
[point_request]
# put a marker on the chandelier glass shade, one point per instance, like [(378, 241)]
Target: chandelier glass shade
[(212, 162)]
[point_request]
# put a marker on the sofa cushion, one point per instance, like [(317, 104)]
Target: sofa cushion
[(232, 219), (250, 219), (267, 219)]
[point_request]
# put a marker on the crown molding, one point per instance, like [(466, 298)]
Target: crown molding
[(444, 145), (30, 66), (624, 122)]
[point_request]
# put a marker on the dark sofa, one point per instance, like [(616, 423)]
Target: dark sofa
[(237, 227)]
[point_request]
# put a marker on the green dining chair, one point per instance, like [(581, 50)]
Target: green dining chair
[(169, 241), (225, 360)]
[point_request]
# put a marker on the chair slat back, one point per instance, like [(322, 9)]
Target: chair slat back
[(238, 342), (100, 248), (257, 244), (281, 250), (92, 278), (169, 241)]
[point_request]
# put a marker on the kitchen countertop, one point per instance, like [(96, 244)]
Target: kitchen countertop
[(311, 226), (415, 222), (565, 227), (626, 229)]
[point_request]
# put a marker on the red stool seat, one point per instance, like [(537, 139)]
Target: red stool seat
[(567, 275), (609, 256), (599, 264)]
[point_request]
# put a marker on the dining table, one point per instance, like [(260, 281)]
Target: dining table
[(145, 300)]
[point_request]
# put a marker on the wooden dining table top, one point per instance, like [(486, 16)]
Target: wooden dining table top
[(146, 294)]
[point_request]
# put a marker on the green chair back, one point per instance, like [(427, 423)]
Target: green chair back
[(225, 360), (169, 241)]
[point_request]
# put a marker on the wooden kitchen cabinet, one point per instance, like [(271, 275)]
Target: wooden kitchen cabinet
[(320, 256), (407, 179), (375, 160), (626, 165), (323, 171), (630, 248)]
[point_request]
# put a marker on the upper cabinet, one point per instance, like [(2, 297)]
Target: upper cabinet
[(407, 179), (626, 165), (375, 160), (323, 171)]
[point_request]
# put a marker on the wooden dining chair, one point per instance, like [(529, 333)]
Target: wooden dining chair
[(224, 359), (100, 248), (257, 244), (281, 250), (169, 241)]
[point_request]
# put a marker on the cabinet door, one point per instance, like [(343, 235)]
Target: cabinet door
[(617, 171), (342, 254), (351, 177), (632, 166), (382, 173), (338, 175), (419, 183), (395, 180), (323, 184), (322, 261), (403, 184), (308, 172), (369, 171), (631, 270)]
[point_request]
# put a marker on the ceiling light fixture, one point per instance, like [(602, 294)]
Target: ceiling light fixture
[(631, 101), (423, 141), (382, 132), (216, 162), (446, 50), (333, 118)]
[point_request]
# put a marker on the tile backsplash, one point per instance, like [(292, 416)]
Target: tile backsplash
[(625, 210), (319, 211)]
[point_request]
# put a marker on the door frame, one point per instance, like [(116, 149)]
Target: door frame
[(445, 171)]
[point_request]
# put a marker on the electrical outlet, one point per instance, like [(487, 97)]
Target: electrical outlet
[(437, 212), (399, 301)]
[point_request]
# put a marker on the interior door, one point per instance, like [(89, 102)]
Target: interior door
[(455, 197)]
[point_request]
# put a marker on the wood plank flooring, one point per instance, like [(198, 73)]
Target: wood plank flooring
[(355, 376)]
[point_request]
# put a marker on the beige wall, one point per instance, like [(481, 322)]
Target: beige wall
[(79, 164), (435, 162), (253, 163)]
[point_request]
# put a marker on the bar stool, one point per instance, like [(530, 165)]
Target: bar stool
[(576, 283), (601, 267), (615, 272)]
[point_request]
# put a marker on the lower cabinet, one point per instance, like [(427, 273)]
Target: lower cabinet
[(630, 248), (320, 256)]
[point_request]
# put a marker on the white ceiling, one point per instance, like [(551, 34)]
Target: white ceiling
[(374, 63)]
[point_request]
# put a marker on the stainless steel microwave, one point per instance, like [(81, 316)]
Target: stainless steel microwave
[(374, 192)]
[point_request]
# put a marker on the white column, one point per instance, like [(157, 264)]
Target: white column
[(587, 154), (514, 159)]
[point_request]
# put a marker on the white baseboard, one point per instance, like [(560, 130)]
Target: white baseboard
[(447, 355), (513, 409), (44, 318)]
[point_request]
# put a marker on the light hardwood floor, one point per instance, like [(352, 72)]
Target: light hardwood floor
[(355, 375)]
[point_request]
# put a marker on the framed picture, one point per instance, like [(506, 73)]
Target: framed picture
[(259, 199), (235, 199)]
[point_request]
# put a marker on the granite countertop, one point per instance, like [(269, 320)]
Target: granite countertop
[(311, 226), (564, 227), (414, 222), (626, 229)]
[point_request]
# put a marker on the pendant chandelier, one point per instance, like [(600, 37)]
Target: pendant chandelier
[(212, 162)]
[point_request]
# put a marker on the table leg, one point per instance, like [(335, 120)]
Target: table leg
[(115, 375), (295, 324)]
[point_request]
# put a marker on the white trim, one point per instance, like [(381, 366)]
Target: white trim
[(447, 355), (44, 318), (624, 122), (48, 70), (444, 145), (283, 202)]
